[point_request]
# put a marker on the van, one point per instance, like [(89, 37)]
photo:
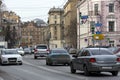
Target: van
[(41, 50)]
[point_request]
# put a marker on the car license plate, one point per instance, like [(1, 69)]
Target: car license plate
[(106, 67)]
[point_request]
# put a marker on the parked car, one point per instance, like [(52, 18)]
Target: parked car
[(41, 50), (58, 56), (10, 56), (95, 60), (20, 51), (27, 51)]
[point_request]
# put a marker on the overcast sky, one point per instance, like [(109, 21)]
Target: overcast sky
[(31, 9)]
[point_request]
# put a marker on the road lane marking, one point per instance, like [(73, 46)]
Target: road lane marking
[(55, 71), (1, 78)]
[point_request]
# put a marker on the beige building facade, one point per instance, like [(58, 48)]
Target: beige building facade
[(104, 12), (11, 28), (56, 26), (32, 34)]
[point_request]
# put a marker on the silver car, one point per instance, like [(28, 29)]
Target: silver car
[(41, 50), (95, 60)]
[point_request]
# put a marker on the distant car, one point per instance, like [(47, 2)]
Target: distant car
[(115, 50), (95, 60), (32, 50), (72, 51), (10, 56), (20, 51), (27, 51), (58, 56), (118, 54), (41, 50)]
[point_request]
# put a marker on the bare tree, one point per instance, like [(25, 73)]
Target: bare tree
[(72, 33)]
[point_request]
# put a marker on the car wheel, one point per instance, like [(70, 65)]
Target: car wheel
[(86, 72), (47, 63), (50, 63), (1, 62), (72, 68), (20, 63), (35, 57), (114, 73)]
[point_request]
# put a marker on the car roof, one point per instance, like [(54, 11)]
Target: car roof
[(58, 49), (41, 44), (96, 48)]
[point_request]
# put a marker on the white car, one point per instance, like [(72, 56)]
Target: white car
[(41, 50), (27, 50), (10, 56), (20, 51)]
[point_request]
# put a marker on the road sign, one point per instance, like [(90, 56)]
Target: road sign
[(98, 36)]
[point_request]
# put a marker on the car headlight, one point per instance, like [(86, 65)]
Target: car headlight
[(3, 58), (20, 58)]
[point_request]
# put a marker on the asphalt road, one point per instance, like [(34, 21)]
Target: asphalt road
[(37, 70)]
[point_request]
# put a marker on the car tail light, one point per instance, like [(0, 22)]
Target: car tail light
[(92, 60), (118, 59)]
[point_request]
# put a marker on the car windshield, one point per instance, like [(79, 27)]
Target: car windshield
[(60, 51), (100, 52), (41, 47), (2, 46), (9, 52)]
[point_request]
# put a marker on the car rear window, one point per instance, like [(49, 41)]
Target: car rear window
[(101, 52), (60, 51), (41, 47)]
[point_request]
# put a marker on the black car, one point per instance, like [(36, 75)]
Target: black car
[(58, 56)]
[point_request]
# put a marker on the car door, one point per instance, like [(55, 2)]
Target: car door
[(81, 59), (85, 58), (78, 61)]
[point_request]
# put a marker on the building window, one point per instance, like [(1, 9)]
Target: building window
[(55, 37), (96, 9), (111, 7), (111, 43), (111, 26), (55, 16), (62, 22), (55, 28), (55, 32), (55, 22)]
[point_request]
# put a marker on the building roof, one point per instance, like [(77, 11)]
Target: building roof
[(55, 10)]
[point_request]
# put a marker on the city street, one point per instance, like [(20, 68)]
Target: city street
[(37, 70)]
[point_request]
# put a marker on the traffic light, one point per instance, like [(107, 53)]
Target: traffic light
[(93, 30), (80, 14)]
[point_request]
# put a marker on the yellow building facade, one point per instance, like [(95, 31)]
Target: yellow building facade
[(70, 15)]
